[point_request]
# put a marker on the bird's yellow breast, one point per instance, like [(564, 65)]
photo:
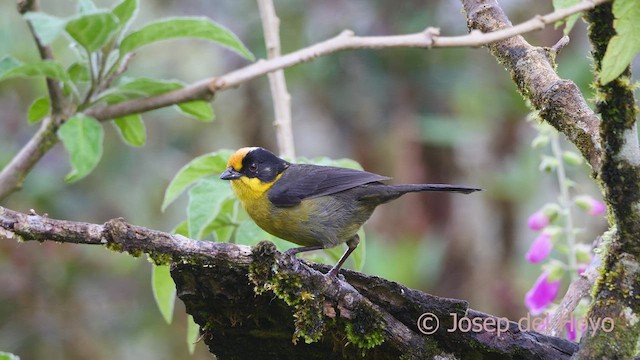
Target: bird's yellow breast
[(286, 223)]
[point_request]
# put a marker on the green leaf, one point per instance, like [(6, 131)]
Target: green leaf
[(164, 291), (82, 136), (125, 12), (225, 224), (624, 46), (78, 72), (208, 164), (8, 356), (46, 27), (132, 129), (139, 87), (7, 63), (199, 110), (193, 334), (48, 68), (192, 27), (93, 30), (205, 201), (571, 20), (249, 233), (142, 87), (38, 110)]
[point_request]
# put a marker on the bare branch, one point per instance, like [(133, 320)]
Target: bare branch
[(53, 86), (279, 94), (12, 176)]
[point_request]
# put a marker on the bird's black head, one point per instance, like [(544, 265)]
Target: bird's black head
[(254, 162)]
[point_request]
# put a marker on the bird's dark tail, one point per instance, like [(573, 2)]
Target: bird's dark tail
[(405, 188), (382, 193)]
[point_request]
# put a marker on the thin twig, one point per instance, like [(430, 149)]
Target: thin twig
[(279, 94), (578, 289), (204, 90), (346, 40)]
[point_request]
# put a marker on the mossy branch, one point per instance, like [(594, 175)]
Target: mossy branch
[(611, 147), (616, 292), (258, 296)]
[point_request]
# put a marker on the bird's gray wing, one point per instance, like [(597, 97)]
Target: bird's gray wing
[(303, 181)]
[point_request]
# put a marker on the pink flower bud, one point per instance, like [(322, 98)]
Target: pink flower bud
[(540, 248), (590, 205), (571, 329), (597, 208), (541, 294), (538, 220)]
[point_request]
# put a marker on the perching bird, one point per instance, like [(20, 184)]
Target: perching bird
[(315, 206)]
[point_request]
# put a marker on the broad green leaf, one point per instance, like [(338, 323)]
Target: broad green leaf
[(148, 86), (164, 291), (82, 137), (8, 356), (205, 201), (571, 20), (624, 46), (38, 110), (46, 27), (7, 63), (224, 225), (132, 129), (125, 12), (139, 87), (192, 27), (249, 233), (199, 110), (79, 72), (193, 334), (93, 30), (208, 164), (48, 68)]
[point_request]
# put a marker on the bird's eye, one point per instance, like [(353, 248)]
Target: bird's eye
[(253, 167)]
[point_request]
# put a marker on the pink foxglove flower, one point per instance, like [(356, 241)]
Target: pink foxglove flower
[(540, 248), (538, 220), (541, 294)]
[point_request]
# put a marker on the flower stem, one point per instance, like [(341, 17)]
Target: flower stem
[(565, 204)]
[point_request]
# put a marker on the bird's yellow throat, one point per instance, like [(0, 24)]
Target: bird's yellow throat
[(247, 189)]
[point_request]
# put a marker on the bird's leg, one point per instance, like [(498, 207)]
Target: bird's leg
[(352, 244), (293, 251)]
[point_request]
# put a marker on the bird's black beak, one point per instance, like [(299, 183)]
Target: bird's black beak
[(230, 174)]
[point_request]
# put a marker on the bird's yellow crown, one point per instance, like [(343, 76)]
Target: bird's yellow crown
[(235, 161)]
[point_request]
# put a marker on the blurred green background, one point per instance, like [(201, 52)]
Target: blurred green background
[(440, 115)]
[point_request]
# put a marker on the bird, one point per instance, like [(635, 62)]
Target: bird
[(317, 207)]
